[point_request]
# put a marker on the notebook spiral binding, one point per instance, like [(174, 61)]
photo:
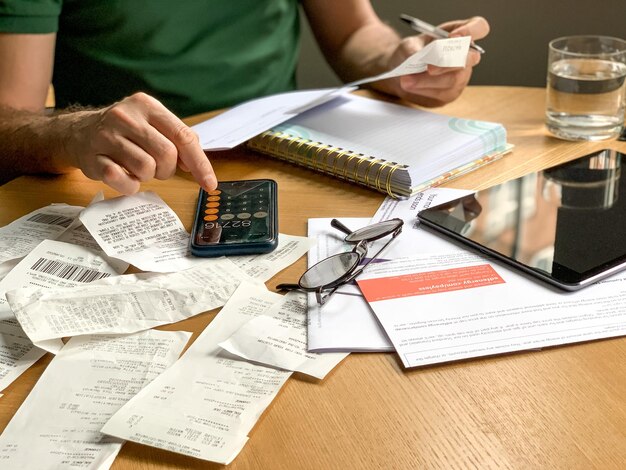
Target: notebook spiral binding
[(335, 161)]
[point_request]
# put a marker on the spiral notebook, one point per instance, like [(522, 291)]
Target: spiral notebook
[(394, 149)]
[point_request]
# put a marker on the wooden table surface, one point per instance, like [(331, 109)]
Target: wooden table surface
[(562, 407)]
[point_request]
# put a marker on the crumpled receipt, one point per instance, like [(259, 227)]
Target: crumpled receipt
[(124, 304), (142, 230)]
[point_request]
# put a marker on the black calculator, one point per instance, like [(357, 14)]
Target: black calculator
[(239, 217)]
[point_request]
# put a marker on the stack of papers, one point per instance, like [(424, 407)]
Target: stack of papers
[(435, 302)]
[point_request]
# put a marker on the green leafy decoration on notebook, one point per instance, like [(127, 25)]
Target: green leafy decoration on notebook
[(491, 134)]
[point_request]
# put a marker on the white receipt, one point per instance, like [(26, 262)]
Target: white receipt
[(245, 121), (278, 338), (124, 304), (50, 265), (262, 267), (451, 52), (22, 235), (77, 234), (142, 230), (17, 352), (6, 267), (58, 425), (208, 401), (53, 264)]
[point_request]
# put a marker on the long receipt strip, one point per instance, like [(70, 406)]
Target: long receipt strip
[(47, 264), (278, 338), (134, 302), (445, 307), (245, 121), (263, 267), (208, 401), (50, 265), (123, 304), (18, 238), (58, 425)]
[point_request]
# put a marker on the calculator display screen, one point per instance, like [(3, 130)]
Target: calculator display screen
[(236, 212)]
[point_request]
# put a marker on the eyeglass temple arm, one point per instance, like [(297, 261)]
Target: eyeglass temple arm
[(339, 226), (287, 286), (373, 257)]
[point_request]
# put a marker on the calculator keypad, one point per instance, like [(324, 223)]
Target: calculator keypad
[(236, 212)]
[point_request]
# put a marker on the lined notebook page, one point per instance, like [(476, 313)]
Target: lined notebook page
[(428, 143)]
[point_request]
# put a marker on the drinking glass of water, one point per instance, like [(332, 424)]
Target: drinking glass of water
[(586, 91)]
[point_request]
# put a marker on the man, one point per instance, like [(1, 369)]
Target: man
[(154, 61)]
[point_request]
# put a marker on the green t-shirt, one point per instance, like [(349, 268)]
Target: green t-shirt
[(193, 55)]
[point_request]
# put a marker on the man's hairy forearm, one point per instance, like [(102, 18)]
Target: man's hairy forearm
[(367, 52), (33, 143)]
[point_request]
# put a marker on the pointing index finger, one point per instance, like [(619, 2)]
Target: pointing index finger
[(193, 157), (190, 152)]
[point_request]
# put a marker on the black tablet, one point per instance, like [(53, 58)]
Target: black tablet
[(565, 225)]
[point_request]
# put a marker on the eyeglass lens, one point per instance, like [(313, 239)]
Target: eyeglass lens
[(337, 269), (329, 270), (374, 232)]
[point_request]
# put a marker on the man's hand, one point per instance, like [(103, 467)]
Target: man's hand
[(438, 85), (132, 141), (129, 142), (357, 44)]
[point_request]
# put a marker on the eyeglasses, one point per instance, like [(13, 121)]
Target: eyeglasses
[(326, 276)]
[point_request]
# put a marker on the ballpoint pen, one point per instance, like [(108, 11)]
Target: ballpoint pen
[(432, 31)]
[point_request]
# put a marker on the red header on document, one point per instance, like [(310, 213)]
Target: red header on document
[(431, 282)]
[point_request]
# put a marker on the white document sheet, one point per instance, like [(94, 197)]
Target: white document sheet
[(22, 235), (208, 401), (450, 306), (141, 230), (124, 304), (278, 338), (345, 322), (58, 426), (245, 121)]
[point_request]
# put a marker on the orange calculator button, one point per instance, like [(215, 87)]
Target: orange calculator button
[(211, 211), (212, 204), (210, 218), (213, 198), (215, 192)]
